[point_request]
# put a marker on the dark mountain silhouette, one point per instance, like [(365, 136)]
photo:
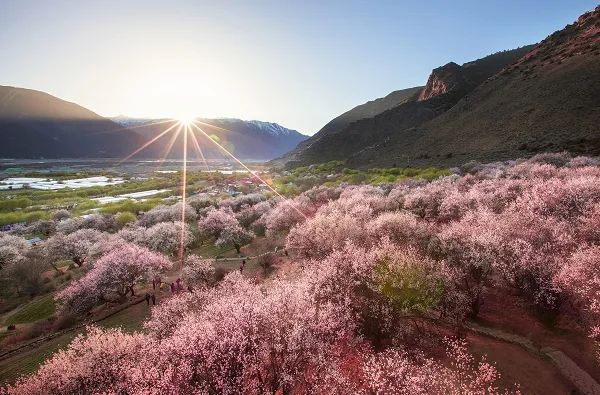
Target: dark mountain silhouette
[(366, 110), (510, 104), (35, 124), (247, 140)]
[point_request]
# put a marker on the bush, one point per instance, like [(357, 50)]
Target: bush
[(410, 285), (63, 321), (220, 273), (125, 217), (267, 263)]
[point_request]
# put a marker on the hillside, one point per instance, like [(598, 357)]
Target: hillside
[(248, 140), (547, 101), (506, 105), (35, 124), (366, 110)]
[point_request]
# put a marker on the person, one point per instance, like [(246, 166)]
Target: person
[(147, 297), (153, 300), (286, 252), (154, 284), (179, 285), (190, 289), (172, 288), (160, 286), (242, 268)]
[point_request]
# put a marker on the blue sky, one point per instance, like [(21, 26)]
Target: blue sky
[(296, 63)]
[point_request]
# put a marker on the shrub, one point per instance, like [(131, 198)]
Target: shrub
[(125, 217), (410, 284), (267, 263)]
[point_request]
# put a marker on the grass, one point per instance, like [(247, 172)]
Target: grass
[(209, 249), (38, 309), (129, 320), (28, 361)]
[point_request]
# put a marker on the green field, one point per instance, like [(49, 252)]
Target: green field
[(29, 360), (38, 309)]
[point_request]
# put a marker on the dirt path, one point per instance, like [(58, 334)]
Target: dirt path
[(578, 377)]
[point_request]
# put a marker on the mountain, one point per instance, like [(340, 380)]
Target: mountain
[(34, 124), (513, 103), (247, 140), (362, 111)]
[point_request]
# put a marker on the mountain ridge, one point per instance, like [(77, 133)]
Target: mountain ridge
[(548, 100), (446, 85), (35, 124), (249, 140)]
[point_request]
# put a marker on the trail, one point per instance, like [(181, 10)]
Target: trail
[(9, 353), (581, 379), (40, 340)]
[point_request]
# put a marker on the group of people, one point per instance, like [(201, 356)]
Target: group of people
[(175, 287), (150, 297)]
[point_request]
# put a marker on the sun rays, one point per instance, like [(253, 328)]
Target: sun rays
[(186, 127)]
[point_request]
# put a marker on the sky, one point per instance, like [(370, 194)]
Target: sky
[(297, 63)]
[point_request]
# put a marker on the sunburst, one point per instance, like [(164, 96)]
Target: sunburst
[(186, 126)]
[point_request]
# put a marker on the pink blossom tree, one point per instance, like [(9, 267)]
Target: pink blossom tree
[(324, 233), (249, 214), (114, 274), (164, 213), (102, 359), (396, 371), (215, 221), (580, 279), (200, 201), (241, 201), (75, 246), (103, 223), (12, 249), (166, 237), (234, 236), (197, 271), (288, 213)]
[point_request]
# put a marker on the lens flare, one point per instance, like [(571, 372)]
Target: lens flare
[(183, 193), (188, 124), (250, 171), (186, 120)]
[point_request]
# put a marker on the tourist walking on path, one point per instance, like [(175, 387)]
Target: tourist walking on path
[(147, 297)]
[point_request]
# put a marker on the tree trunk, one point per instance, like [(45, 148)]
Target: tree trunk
[(475, 305)]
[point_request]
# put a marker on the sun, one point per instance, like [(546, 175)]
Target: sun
[(186, 120)]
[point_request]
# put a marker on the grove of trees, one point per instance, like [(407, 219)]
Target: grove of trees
[(373, 265)]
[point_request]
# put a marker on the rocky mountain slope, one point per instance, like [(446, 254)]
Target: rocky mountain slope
[(510, 104), (247, 140), (35, 124), (367, 110)]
